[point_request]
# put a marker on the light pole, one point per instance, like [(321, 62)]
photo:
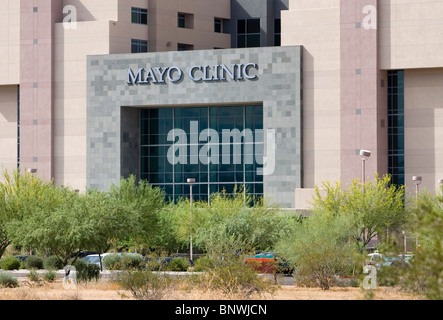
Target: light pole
[(191, 181), (364, 156), (417, 180), (31, 171)]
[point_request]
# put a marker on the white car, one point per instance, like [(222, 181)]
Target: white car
[(95, 259)]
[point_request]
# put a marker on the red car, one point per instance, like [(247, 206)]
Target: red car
[(263, 262)]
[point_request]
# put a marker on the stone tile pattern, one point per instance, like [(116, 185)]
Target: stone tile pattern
[(278, 87)]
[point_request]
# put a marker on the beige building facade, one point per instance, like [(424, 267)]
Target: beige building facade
[(372, 78)]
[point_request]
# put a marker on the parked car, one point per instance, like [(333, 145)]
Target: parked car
[(263, 262), (95, 259), (22, 257), (82, 254), (381, 260)]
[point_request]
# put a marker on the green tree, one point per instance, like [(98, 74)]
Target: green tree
[(145, 202), (59, 229), (425, 274), (108, 221), (320, 247), (254, 222), (175, 224), (21, 193), (374, 209)]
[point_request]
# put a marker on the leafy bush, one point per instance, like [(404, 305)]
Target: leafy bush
[(34, 262), (146, 285), (8, 281), (203, 264), (321, 247), (50, 276), (112, 261), (118, 261), (86, 272), (425, 274), (226, 270), (33, 275), (132, 261), (179, 264), (53, 263), (10, 263)]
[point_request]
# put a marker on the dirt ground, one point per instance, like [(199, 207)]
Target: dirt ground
[(104, 290)]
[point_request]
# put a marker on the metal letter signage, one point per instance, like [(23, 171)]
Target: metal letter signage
[(196, 73)]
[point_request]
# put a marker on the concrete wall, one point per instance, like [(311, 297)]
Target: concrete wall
[(424, 127), (9, 42), (411, 34), (278, 88), (316, 26), (8, 128), (363, 96)]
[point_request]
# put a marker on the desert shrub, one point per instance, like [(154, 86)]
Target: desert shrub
[(86, 272), (34, 262), (153, 264), (50, 276), (118, 261), (132, 261), (53, 263), (146, 285), (225, 269), (202, 264), (425, 274), (112, 261), (8, 281), (33, 275), (179, 264), (10, 263), (321, 247)]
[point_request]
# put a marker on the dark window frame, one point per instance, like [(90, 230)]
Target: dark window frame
[(218, 25), (249, 33), (139, 46), (139, 15)]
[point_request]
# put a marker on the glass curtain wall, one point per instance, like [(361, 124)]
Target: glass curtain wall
[(396, 126), (221, 147)]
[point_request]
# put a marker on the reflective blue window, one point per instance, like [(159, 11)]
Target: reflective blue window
[(221, 147)]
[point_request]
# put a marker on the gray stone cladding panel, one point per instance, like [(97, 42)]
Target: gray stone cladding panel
[(278, 86)]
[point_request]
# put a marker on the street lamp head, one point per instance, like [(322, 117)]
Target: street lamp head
[(32, 170), (365, 154), (191, 180), (417, 179)]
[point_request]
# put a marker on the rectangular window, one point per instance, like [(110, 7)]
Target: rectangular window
[(396, 126), (181, 20), (218, 25), (277, 32), (234, 158), (139, 16), (139, 46), (185, 20), (184, 47), (248, 33)]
